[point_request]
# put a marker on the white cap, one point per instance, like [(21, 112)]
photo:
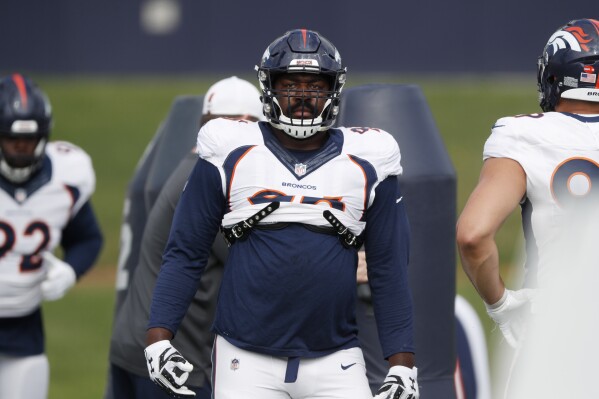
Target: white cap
[(233, 96)]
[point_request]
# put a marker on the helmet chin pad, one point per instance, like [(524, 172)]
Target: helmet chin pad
[(16, 175), (300, 128), (20, 168), (297, 130)]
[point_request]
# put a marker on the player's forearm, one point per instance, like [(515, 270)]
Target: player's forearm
[(82, 240), (480, 261)]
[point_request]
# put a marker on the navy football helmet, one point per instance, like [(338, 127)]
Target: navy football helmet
[(569, 65), (304, 51), (25, 112)]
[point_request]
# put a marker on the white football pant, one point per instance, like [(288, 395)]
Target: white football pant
[(239, 373), (24, 377)]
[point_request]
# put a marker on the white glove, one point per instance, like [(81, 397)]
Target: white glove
[(59, 279), (511, 313), (168, 369), (400, 383)]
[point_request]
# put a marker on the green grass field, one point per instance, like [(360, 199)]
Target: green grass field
[(114, 118)]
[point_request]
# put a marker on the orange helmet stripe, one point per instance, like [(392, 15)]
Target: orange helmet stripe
[(20, 83)]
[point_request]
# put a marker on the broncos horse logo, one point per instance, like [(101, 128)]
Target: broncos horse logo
[(564, 39), (572, 37)]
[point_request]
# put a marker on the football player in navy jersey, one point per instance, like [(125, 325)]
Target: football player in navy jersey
[(295, 198), (45, 191), (547, 164)]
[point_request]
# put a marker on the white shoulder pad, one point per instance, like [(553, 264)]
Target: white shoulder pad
[(377, 147), (218, 137), (72, 166), (509, 135), (503, 140)]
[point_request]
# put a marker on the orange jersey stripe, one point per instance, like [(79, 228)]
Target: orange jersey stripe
[(233, 172)]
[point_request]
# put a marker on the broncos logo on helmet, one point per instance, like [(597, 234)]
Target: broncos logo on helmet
[(562, 40), (569, 63)]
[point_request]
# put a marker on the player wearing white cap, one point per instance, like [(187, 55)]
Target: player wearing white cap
[(233, 98)]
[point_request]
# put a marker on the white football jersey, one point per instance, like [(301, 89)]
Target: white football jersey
[(32, 219), (255, 171), (560, 154)]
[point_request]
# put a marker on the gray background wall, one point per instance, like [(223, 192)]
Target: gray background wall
[(435, 36)]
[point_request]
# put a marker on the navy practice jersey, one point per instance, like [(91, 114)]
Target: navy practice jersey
[(291, 291)]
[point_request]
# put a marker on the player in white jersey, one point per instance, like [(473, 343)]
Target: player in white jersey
[(295, 197), (45, 190), (544, 162)]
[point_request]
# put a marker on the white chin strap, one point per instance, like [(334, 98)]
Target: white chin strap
[(299, 128), (294, 128), (21, 175), (582, 94), (15, 175)]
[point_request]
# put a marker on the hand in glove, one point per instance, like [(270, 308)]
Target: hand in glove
[(168, 369), (511, 313), (59, 278), (400, 383)]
